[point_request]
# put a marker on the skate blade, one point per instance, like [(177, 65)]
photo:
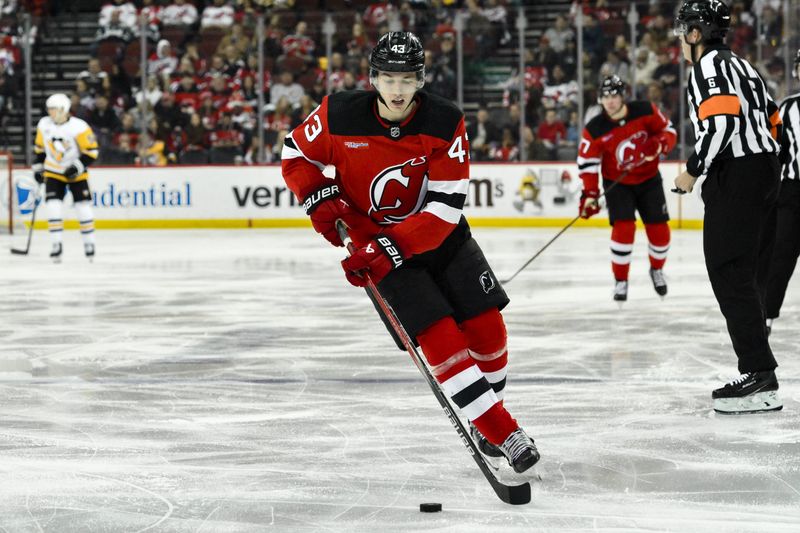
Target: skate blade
[(754, 403)]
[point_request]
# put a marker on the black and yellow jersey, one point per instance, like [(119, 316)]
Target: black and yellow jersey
[(70, 143)]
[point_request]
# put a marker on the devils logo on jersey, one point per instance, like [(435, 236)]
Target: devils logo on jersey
[(626, 149), (397, 192)]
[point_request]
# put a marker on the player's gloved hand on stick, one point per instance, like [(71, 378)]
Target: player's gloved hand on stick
[(325, 206), (589, 205), (643, 153), (377, 258), (72, 172), (38, 172)]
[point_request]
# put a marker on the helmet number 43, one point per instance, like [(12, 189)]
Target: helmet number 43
[(399, 48)]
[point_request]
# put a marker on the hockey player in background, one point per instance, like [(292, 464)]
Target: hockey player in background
[(402, 174), (787, 234), (624, 142), (65, 146)]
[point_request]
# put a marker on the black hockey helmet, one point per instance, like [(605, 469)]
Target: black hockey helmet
[(612, 85), (398, 51), (711, 17)]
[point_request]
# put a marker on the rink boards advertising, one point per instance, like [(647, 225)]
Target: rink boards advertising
[(501, 195)]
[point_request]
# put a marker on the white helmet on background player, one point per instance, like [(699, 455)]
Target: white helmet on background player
[(58, 106)]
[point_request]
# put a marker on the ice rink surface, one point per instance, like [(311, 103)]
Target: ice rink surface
[(232, 381)]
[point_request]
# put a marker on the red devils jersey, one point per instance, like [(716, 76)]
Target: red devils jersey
[(610, 145), (409, 177)]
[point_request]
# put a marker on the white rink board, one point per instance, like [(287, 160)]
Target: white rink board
[(252, 196)]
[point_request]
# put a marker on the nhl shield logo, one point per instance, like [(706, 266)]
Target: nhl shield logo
[(487, 281), (394, 132)]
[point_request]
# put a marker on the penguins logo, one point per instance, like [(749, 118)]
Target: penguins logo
[(398, 192), (626, 148), (487, 281)]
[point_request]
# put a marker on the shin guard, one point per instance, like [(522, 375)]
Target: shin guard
[(622, 235), (658, 237), (445, 348), (486, 341)]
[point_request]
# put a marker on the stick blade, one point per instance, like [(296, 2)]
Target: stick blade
[(513, 494), (19, 252)]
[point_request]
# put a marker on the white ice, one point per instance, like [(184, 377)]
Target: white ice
[(232, 381)]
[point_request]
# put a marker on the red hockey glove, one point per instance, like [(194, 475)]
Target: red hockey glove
[(643, 153), (325, 206), (377, 258), (589, 205)]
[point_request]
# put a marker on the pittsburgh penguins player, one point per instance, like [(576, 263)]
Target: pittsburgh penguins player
[(65, 146)]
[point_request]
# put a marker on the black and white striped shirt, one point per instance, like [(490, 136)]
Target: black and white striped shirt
[(790, 144), (732, 113)]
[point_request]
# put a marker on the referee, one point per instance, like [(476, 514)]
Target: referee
[(736, 127), (787, 236)]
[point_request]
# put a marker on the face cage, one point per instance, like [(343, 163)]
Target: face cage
[(373, 76)]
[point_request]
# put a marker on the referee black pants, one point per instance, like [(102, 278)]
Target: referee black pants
[(738, 237), (787, 246)]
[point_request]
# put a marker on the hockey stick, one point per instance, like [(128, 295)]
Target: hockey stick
[(557, 235), (30, 231), (512, 494)]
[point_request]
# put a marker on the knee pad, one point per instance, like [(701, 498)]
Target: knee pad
[(486, 335), (445, 348)]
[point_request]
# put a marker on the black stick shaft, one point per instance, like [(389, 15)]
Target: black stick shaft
[(513, 494), (557, 235)]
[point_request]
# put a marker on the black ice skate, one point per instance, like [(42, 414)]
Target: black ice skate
[(483, 444), (88, 249), (749, 393), (55, 252), (621, 291), (520, 451), (659, 283)]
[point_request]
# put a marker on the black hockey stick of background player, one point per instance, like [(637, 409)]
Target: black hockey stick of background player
[(30, 230), (513, 494), (565, 228)]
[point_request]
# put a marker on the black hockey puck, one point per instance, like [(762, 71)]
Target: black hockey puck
[(430, 507), (559, 200)]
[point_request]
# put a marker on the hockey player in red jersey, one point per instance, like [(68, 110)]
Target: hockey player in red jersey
[(624, 142), (402, 174)]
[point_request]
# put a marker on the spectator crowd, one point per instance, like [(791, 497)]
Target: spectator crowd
[(200, 101)]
